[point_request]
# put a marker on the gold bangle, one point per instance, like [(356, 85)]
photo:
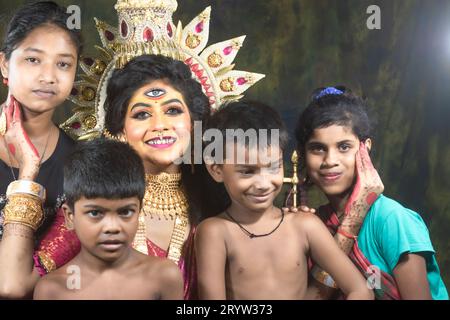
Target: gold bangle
[(23, 209), (46, 261), (323, 277), (27, 187)]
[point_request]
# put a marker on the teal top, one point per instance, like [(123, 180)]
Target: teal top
[(391, 230)]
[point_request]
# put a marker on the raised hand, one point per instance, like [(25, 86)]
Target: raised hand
[(367, 189), (18, 142)]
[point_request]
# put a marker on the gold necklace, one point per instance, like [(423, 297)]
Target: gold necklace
[(164, 196)]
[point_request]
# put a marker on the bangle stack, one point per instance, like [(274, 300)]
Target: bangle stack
[(26, 187), (24, 205)]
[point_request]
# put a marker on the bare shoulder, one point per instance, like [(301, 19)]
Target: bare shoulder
[(306, 221), (212, 226), (163, 273), (165, 278), (159, 268), (51, 285), (168, 271)]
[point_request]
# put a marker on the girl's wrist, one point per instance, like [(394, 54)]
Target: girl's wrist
[(28, 172)]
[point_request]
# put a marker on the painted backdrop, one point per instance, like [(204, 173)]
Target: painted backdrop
[(403, 69)]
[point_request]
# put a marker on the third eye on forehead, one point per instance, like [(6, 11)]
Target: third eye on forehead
[(155, 93)]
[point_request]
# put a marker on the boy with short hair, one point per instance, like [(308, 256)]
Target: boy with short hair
[(104, 184), (254, 250)]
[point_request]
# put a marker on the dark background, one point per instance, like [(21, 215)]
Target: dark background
[(403, 69)]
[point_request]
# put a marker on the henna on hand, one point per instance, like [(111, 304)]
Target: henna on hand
[(19, 143), (367, 189), (18, 230)]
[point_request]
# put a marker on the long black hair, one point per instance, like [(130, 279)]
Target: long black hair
[(141, 71)]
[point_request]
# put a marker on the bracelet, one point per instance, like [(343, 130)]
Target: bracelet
[(323, 277), (27, 187), (346, 234), (23, 209), (46, 262)]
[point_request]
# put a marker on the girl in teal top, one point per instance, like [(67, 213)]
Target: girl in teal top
[(393, 248), (390, 233)]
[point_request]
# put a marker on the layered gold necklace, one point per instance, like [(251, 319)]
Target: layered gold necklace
[(164, 197)]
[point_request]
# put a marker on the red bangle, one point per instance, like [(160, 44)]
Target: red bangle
[(346, 234)]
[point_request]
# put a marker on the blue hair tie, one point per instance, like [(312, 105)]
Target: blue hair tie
[(328, 91)]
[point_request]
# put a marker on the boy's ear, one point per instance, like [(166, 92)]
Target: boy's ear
[(368, 144), (68, 215), (3, 65), (215, 170)]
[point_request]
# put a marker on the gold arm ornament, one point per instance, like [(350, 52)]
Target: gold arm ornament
[(24, 209)]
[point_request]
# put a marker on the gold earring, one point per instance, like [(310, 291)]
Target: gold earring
[(121, 137)]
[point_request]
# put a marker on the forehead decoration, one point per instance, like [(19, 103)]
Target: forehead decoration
[(155, 93), (146, 27)]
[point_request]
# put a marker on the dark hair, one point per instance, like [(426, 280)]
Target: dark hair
[(345, 109), (32, 16), (243, 115), (103, 168), (247, 115), (141, 71)]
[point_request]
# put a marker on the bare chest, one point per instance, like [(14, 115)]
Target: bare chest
[(271, 266), (111, 288)]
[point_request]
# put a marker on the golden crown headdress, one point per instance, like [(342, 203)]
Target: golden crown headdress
[(146, 27)]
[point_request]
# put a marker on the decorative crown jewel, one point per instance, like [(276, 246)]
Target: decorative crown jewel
[(146, 27)]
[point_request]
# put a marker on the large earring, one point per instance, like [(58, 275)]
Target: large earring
[(121, 137), (5, 81)]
